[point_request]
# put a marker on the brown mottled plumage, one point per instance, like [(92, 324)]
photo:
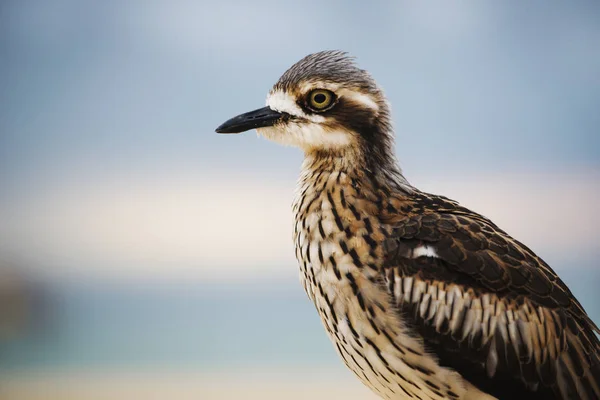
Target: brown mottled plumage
[(421, 297)]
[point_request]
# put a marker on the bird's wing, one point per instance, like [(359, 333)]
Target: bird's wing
[(486, 304)]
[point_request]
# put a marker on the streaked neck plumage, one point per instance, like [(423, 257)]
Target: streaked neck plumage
[(371, 156)]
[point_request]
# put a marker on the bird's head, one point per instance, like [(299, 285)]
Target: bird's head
[(324, 103)]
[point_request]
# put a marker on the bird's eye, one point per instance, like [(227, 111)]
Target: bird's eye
[(320, 99)]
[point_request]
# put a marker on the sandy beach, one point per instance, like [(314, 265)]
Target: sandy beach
[(314, 385)]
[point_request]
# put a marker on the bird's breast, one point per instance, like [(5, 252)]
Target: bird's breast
[(333, 239), (337, 246)]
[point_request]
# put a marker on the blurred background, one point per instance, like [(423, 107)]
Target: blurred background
[(144, 256)]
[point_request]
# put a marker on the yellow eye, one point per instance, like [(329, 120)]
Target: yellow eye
[(320, 99)]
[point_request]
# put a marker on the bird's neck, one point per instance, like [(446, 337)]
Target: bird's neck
[(381, 171)]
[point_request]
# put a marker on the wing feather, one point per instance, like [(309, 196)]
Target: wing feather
[(485, 302)]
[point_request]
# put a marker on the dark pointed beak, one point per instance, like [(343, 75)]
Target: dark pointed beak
[(251, 120)]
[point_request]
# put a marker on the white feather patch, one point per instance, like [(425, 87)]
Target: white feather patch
[(424, 251)]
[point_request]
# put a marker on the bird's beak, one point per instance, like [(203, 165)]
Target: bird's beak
[(251, 120)]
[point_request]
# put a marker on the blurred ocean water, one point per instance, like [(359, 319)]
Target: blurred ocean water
[(191, 326), (181, 326)]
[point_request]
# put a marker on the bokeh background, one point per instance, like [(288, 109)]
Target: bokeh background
[(144, 256)]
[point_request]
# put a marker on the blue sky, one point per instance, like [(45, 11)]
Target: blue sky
[(105, 86)]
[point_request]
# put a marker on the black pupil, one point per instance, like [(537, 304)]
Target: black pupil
[(320, 98)]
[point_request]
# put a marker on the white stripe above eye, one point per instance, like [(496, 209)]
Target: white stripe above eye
[(360, 98), (424, 251)]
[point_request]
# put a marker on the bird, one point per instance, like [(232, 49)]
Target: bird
[(421, 297)]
